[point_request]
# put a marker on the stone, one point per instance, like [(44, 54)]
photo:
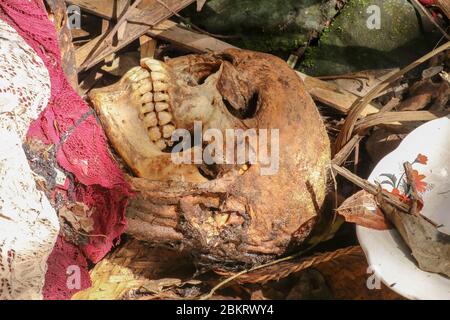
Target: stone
[(349, 45), (265, 25)]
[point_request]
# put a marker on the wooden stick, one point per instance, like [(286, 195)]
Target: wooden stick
[(400, 116), (105, 9), (150, 16), (187, 39), (345, 152), (369, 187), (148, 46), (108, 41)]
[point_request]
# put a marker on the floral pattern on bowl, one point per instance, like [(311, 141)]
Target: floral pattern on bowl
[(400, 187)]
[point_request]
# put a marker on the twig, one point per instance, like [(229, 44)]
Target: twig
[(302, 264), (414, 194), (390, 105), (295, 56), (5, 217), (335, 186), (345, 152), (237, 275)]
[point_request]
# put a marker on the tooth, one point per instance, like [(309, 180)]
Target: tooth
[(164, 118), (160, 96), (167, 130), (146, 87), (148, 97), (141, 74), (148, 107), (132, 72), (159, 76), (153, 65), (154, 134), (161, 144), (160, 86), (150, 120), (161, 106)]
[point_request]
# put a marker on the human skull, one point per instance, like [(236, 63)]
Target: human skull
[(238, 214)]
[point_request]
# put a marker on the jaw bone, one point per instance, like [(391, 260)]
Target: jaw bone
[(137, 117)]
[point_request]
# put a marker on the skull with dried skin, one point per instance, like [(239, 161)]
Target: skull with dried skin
[(222, 213)]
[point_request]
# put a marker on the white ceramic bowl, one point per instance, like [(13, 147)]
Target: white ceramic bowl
[(386, 252)]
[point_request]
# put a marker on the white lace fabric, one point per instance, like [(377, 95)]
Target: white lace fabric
[(28, 223)]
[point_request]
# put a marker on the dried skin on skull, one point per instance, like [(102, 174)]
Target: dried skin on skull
[(238, 215)]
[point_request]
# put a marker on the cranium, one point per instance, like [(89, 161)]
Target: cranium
[(238, 215)]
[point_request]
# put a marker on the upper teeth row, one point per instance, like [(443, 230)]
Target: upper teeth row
[(151, 85)]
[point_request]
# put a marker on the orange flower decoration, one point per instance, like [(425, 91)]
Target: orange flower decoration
[(418, 181), (402, 197), (422, 159)]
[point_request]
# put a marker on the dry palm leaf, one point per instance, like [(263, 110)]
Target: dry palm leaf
[(137, 267), (356, 109)]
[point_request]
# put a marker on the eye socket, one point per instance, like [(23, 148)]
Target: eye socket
[(248, 111), (203, 72), (227, 57), (202, 80)]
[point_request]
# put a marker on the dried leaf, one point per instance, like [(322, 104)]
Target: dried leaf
[(429, 247), (78, 216), (157, 286), (362, 209)]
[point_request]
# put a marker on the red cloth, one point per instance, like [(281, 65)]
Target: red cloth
[(427, 2), (63, 256), (82, 151)]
